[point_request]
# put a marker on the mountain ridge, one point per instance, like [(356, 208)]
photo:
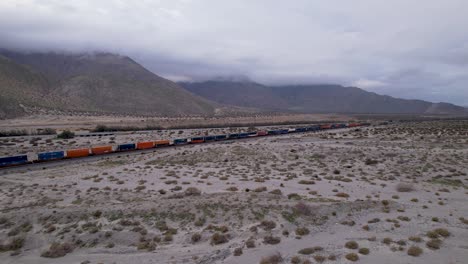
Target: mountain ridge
[(317, 98)]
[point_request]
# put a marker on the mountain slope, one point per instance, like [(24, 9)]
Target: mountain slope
[(316, 99), (101, 82)]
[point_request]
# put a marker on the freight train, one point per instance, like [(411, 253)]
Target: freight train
[(102, 150)]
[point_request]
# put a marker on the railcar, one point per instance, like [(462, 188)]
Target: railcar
[(221, 137), (252, 134), (233, 136), (180, 141), (53, 155), (145, 145), (126, 147), (196, 140), (243, 135), (210, 138), (14, 160), (77, 153), (162, 143), (262, 133)]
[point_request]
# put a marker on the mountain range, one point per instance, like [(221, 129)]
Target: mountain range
[(114, 84), (313, 98), (98, 82)]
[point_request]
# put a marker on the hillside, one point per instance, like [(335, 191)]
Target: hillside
[(100, 82), (315, 99)]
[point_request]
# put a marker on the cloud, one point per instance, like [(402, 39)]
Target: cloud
[(402, 48)]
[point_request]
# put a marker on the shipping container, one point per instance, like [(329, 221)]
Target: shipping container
[(220, 137), (180, 141), (125, 147), (51, 155), (76, 153), (284, 131), (233, 136), (262, 133), (325, 127), (101, 150), (210, 138), (243, 135), (13, 160), (301, 129), (161, 143), (252, 134), (145, 145), (196, 140), (273, 132)]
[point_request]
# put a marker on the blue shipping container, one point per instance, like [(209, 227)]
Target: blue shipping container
[(233, 136), (220, 137), (126, 147), (209, 138), (51, 155), (14, 160), (180, 141)]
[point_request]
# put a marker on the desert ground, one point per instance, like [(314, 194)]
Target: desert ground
[(380, 194)]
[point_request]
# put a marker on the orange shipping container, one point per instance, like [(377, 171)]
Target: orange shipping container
[(145, 145), (75, 153), (101, 150), (161, 142)]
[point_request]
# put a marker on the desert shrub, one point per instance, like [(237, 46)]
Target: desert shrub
[(414, 251), (232, 189), (416, 239), (302, 231), (276, 191), (238, 251), (306, 182), (442, 232), (192, 191), (196, 237), (352, 257), (14, 244), (387, 241), (260, 189), (267, 225), (250, 243), (66, 134), (364, 251), (302, 209), (296, 260), (432, 234), (271, 240), (352, 245), (309, 250), (404, 187), (272, 259), (57, 250), (434, 243), (342, 195), (218, 238)]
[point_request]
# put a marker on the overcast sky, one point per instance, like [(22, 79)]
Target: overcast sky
[(404, 48)]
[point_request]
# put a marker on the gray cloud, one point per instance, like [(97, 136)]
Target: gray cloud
[(410, 49)]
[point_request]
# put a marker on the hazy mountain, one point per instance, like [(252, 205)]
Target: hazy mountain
[(314, 98), (100, 82)]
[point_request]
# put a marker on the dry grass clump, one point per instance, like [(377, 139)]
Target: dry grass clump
[(306, 182), (267, 225), (218, 238), (272, 259), (250, 243), (414, 251), (352, 257), (364, 251), (442, 232), (416, 239), (342, 195), (309, 250), (192, 191), (434, 243), (238, 251), (271, 240), (57, 250), (196, 237), (352, 245), (404, 187), (16, 243), (302, 231)]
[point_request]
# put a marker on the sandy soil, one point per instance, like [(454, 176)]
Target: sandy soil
[(378, 193)]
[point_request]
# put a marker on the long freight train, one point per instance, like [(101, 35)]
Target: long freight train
[(102, 150)]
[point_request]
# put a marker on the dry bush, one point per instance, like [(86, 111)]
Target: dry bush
[(218, 238), (342, 195), (302, 231), (302, 209), (238, 252), (414, 251), (364, 251), (352, 257), (267, 225), (192, 191), (352, 245), (404, 187), (196, 237), (250, 243), (442, 232), (271, 240), (272, 259), (58, 250), (434, 243)]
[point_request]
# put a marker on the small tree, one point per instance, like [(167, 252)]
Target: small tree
[(66, 134)]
